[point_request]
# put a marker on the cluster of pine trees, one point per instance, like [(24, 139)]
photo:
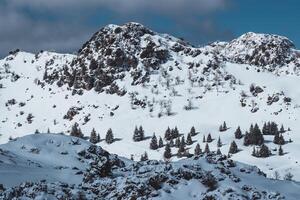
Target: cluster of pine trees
[(138, 134), (223, 127), (254, 136)]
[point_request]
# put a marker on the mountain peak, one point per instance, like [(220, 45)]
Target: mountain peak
[(260, 50)]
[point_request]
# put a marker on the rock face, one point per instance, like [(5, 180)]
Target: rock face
[(260, 50), (133, 48), (115, 50), (112, 51)]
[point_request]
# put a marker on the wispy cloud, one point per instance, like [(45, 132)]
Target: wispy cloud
[(59, 25)]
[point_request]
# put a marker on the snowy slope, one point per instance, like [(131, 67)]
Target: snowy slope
[(205, 176), (148, 85)]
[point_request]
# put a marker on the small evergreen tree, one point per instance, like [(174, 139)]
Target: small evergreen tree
[(168, 135), (144, 157), (254, 153), (136, 134), (161, 143), (197, 150), (278, 139), (219, 143), (206, 150), (223, 127), (93, 137), (203, 140), (189, 140), (167, 153), (172, 143), (109, 138), (209, 139), (263, 151), (175, 132), (98, 138), (281, 129), (153, 143), (75, 131), (233, 148), (280, 151), (36, 131), (48, 130), (219, 151), (177, 142), (181, 148), (193, 131), (238, 133), (141, 133)]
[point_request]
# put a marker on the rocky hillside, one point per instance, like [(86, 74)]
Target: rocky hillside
[(63, 167), (129, 76)]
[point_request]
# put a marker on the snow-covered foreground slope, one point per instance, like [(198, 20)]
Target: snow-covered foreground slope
[(62, 167), (157, 76)]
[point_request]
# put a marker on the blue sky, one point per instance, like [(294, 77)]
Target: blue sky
[(64, 25)]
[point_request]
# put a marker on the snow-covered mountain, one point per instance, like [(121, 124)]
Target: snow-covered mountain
[(127, 76), (64, 167)]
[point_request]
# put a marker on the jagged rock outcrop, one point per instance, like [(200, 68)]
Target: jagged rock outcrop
[(261, 50)]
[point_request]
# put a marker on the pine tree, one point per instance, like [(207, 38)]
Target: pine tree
[(98, 137), (189, 140), (209, 139), (238, 133), (282, 129), (233, 148), (48, 130), (254, 153), (136, 134), (167, 153), (160, 142), (36, 131), (172, 143), (197, 150), (141, 133), (221, 128), (193, 131), (131, 157), (280, 151), (93, 137), (109, 138), (224, 126), (75, 131), (206, 150), (144, 157), (181, 148), (168, 135), (153, 143), (175, 132), (219, 151), (177, 142), (278, 139), (203, 140), (182, 142), (264, 151), (265, 129), (254, 137), (219, 143)]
